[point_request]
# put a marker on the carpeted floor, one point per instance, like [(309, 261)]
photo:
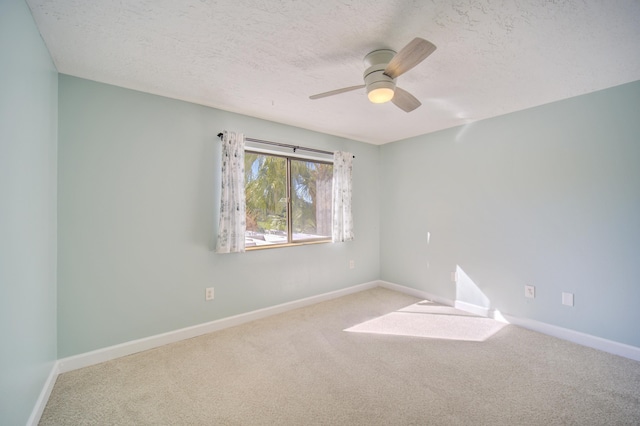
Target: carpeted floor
[(376, 357)]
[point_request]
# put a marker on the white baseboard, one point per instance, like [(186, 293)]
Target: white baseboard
[(610, 346), (594, 342), (474, 309), (43, 398), (416, 293), (139, 345)]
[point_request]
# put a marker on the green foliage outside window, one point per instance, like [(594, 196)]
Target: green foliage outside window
[(288, 199)]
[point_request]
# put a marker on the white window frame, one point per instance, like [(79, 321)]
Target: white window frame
[(256, 148)]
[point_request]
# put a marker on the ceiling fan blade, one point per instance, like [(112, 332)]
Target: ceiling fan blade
[(336, 92), (405, 100), (410, 56)]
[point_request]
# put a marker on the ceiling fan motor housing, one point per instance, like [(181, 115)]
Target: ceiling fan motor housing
[(374, 76)]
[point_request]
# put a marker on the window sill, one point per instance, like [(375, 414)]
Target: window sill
[(272, 246)]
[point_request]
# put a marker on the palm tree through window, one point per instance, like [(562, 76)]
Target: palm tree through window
[(288, 200)]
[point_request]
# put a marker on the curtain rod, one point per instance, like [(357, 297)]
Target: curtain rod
[(285, 145)]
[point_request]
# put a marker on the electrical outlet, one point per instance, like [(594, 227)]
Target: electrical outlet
[(208, 293), (529, 291), (352, 264)]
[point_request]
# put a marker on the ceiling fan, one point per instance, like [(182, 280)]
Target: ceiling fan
[(383, 67)]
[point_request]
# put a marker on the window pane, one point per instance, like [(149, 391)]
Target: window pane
[(311, 199), (266, 195)]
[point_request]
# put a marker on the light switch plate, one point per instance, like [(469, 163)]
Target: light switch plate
[(567, 299)]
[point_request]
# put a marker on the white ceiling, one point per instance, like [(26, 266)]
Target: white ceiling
[(264, 58)]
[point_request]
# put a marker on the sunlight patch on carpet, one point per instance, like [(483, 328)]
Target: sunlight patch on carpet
[(424, 319)]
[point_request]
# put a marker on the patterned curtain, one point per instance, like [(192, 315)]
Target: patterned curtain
[(232, 199), (342, 222)]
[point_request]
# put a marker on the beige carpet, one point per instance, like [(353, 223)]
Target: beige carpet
[(373, 358)]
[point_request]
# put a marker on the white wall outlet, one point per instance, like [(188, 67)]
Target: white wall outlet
[(529, 291), (352, 264), (567, 299), (208, 293), (454, 277)]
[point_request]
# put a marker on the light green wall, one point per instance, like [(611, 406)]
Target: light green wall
[(28, 140), (548, 196), (138, 210)]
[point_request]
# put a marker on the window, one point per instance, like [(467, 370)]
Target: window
[(288, 200)]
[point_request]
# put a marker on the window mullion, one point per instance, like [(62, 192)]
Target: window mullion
[(289, 208)]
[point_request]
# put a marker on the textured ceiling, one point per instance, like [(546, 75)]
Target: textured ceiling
[(264, 58)]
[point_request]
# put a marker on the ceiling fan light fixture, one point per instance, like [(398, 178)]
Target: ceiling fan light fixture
[(383, 67), (381, 91)]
